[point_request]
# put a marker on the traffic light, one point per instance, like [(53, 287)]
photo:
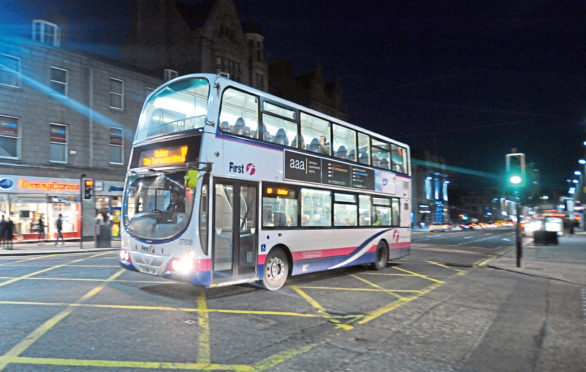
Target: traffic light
[(88, 188), (516, 175)]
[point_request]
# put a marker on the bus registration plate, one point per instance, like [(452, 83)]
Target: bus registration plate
[(147, 270)]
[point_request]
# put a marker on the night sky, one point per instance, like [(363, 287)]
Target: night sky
[(466, 80)]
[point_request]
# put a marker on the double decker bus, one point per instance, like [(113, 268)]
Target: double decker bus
[(227, 184)]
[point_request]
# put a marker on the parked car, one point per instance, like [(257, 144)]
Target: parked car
[(438, 226)]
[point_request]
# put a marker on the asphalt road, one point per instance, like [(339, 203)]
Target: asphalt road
[(434, 310)]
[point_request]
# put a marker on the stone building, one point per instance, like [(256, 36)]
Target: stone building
[(310, 89), (178, 38), (63, 113)]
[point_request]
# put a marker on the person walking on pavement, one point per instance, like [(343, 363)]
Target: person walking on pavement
[(8, 232), (2, 225), (59, 225), (41, 230)]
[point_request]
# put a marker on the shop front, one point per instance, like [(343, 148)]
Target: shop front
[(109, 204), (30, 201)]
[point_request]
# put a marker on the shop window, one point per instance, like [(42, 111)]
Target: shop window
[(239, 113), (116, 94), (116, 146), (279, 206), (59, 80), (345, 210), (9, 137), (315, 133), (9, 70), (316, 207), (58, 143)]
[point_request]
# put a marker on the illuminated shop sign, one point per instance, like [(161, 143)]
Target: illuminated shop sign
[(46, 186)]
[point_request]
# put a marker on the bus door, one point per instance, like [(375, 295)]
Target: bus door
[(235, 230)]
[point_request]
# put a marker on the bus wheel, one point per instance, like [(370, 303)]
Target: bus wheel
[(381, 258), (276, 269)]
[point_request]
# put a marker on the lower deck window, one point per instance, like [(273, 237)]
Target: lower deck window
[(316, 207)]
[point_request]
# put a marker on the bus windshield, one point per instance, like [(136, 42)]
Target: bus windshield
[(179, 106), (158, 206)]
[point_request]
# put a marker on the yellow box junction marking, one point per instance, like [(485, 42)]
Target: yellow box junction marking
[(458, 271), (23, 345), (47, 269), (320, 309), (419, 275)]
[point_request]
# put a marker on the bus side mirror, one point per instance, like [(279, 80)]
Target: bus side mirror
[(192, 177)]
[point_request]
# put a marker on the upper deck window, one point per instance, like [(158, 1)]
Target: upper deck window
[(315, 134), (179, 106), (239, 113)]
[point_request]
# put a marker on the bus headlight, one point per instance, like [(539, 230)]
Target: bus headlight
[(182, 265)]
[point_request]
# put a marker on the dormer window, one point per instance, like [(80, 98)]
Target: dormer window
[(169, 74), (46, 32)]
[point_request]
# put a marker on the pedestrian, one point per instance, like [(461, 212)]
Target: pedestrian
[(59, 225), (2, 224), (8, 232), (41, 229)]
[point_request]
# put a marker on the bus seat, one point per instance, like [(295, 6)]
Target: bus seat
[(341, 153), (224, 126), (375, 161), (281, 137), (352, 155), (266, 136), (314, 145), (363, 158), (384, 163), (238, 127), (247, 131), (294, 142)]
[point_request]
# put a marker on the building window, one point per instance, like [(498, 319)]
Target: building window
[(9, 139), (259, 81), (116, 94), (169, 74), (46, 32), (59, 80), (9, 70), (116, 146), (230, 66), (58, 143)]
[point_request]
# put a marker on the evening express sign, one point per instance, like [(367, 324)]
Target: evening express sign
[(313, 169)]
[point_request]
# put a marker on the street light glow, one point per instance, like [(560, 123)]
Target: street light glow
[(577, 173), (515, 180), (581, 161)]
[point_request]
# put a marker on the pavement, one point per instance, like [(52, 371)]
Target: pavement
[(49, 247), (565, 261)]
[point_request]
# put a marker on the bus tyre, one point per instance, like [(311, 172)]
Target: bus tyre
[(381, 257), (276, 269)]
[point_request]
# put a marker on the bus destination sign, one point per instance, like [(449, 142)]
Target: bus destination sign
[(313, 169), (163, 156)]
